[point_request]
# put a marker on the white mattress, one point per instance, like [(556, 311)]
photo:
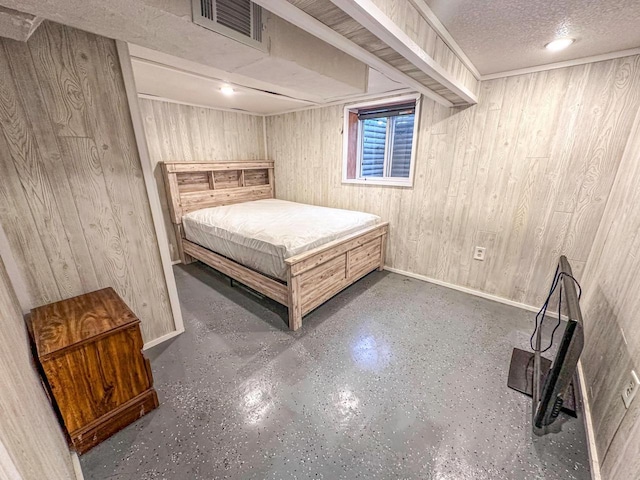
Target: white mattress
[(262, 233)]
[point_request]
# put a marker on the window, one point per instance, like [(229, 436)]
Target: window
[(380, 140)]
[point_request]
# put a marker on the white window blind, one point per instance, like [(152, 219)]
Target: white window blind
[(402, 143), (387, 140), (374, 142)]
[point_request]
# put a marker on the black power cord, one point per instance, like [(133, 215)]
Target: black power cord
[(541, 315)]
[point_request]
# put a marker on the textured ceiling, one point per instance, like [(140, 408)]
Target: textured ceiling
[(502, 35)]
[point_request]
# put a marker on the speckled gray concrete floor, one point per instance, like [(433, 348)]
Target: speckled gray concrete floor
[(393, 378)]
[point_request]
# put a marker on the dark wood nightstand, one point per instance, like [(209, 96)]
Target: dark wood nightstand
[(90, 351)]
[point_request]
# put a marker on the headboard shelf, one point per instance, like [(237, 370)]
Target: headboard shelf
[(194, 185), (176, 167)]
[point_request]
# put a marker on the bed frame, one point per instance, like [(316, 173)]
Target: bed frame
[(313, 277)]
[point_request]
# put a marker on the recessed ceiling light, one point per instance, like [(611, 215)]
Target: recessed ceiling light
[(559, 44), (227, 90)]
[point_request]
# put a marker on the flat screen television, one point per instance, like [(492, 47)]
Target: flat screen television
[(550, 384)]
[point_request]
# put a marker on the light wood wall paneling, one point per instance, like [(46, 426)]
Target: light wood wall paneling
[(525, 173), (76, 214), (178, 133), (28, 161), (123, 173), (29, 430), (459, 91), (612, 325)]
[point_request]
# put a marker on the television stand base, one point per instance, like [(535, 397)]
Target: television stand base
[(521, 378)]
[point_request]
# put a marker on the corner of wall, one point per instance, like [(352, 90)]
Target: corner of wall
[(264, 137), (15, 276), (152, 192)]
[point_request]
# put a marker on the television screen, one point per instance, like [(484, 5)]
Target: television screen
[(551, 383)]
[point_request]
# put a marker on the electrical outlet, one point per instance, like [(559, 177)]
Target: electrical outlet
[(630, 389), (478, 253)]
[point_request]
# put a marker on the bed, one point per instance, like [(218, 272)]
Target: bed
[(225, 215)]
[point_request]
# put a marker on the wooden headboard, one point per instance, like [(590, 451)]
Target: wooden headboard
[(194, 185)]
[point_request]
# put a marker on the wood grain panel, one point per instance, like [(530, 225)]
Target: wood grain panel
[(364, 258), (612, 325), (271, 288), (319, 284), (76, 210), (221, 166), (90, 436), (525, 173), (72, 321), (147, 293), (177, 133), (29, 429), (194, 181), (255, 177), (55, 62), (229, 179), (312, 258), (407, 18), (197, 200), (410, 21), (115, 361), (23, 158), (38, 274)]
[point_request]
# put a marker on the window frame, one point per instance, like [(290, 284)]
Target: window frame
[(348, 149)]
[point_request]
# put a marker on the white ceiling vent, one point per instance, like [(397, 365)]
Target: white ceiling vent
[(237, 19)]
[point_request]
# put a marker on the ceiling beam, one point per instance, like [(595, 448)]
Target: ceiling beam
[(217, 80), (292, 14), (435, 23), (373, 19), (17, 25), (167, 26), (155, 57)]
